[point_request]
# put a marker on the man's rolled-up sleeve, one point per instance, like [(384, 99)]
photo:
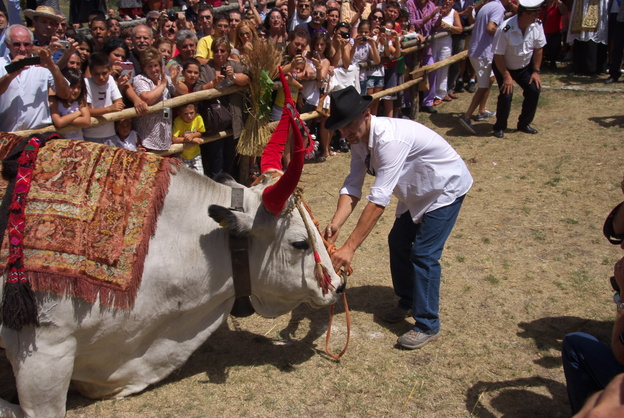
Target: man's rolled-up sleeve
[(355, 180), (389, 163)]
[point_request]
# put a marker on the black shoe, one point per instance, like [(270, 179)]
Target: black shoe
[(499, 134), (610, 80), (344, 146), (459, 86), (429, 109), (472, 87), (528, 130)]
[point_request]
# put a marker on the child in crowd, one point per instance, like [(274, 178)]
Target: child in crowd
[(103, 97), (99, 32), (126, 136), (74, 110), (365, 49), (126, 35), (292, 72), (84, 50), (154, 86), (188, 128), (74, 61), (191, 69)]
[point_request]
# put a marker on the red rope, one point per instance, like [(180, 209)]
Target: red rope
[(328, 336), (331, 248)]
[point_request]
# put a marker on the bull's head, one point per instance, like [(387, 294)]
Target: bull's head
[(286, 254)]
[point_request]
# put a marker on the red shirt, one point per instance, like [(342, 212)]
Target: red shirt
[(551, 18)]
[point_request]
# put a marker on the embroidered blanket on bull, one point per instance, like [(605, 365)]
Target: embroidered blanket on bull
[(90, 214)]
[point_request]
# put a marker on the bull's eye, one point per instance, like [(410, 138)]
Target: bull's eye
[(301, 245)]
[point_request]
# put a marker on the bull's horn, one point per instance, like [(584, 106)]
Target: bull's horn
[(274, 197)]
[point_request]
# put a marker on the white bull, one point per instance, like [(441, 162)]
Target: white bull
[(186, 293)]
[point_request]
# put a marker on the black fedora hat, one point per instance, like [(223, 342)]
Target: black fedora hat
[(345, 105)]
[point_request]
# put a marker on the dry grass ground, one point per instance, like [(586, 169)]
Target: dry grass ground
[(525, 265)]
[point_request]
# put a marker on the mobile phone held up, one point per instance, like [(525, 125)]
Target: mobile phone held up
[(127, 68), (18, 65)]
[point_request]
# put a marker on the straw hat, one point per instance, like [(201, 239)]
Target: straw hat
[(43, 11)]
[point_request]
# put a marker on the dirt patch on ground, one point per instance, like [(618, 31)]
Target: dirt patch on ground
[(525, 265)]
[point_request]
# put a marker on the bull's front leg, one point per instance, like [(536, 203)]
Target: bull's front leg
[(10, 410), (43, 368)]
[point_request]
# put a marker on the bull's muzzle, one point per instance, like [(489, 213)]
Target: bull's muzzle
[(343, 282)]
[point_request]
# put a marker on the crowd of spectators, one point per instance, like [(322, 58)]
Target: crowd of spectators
[(163, 52)]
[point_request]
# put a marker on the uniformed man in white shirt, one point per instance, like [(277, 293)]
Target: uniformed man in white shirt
[(518, 47), (429, 179)]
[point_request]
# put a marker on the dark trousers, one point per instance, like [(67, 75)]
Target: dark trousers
[(553, 47), (459, 44), (616, 54), (588, 365), (589, 57), (219, 157), (529, 104)]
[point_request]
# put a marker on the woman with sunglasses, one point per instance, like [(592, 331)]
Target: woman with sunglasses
[(245, 37), (376, 20)]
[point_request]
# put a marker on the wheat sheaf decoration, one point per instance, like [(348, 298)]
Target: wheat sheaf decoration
[(262, 60)]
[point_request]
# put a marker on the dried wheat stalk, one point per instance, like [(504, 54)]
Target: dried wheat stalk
[(261, 56)]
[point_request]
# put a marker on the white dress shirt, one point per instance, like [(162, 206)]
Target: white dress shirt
[(516, 47), (411, 162)]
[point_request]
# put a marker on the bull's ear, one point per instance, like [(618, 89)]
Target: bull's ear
[(237, 223)]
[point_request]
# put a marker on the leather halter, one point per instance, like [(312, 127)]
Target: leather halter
[(239, 248)]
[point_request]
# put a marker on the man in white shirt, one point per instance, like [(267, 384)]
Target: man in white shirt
[(300, 14), (518, 50), (24, 93), (429, 179)]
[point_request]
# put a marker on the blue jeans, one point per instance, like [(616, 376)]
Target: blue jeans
[(415, 251), (589, 366)]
